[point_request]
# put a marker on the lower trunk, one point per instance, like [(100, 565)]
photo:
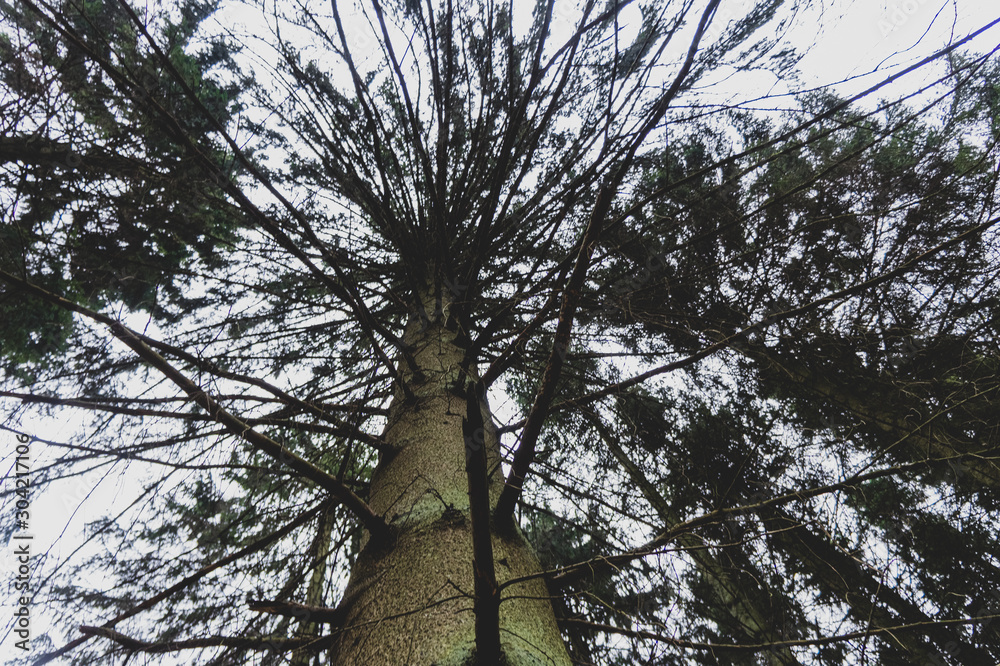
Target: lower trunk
[(410, 602)]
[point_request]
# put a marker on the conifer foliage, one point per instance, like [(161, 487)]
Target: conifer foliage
[(422, 332)]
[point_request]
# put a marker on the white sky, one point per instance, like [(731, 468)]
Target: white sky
[(856, 36), (860, 35)]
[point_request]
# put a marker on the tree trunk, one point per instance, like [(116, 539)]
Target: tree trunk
[(410, 602)]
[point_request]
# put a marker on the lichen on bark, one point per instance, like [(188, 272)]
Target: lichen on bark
[(410, 601)]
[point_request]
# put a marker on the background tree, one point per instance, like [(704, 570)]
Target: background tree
[(424, 345)]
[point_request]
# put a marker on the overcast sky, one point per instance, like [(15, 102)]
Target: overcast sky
[(856, 38), (860, 35)]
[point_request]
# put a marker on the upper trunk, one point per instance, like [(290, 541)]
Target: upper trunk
[(410, 602)]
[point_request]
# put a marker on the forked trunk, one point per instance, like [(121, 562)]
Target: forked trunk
[(410, 602)]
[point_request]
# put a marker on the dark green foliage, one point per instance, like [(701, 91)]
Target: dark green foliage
[(108, 197), (776, 420)]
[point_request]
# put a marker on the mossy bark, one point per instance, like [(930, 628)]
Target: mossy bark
[(409, 602)]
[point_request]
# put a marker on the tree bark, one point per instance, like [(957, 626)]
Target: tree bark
[(409, 601)]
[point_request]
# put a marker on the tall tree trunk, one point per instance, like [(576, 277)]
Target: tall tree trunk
[(318, 554), (410, 602)]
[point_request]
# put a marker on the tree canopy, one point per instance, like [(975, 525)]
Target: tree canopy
[(725, 356)]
